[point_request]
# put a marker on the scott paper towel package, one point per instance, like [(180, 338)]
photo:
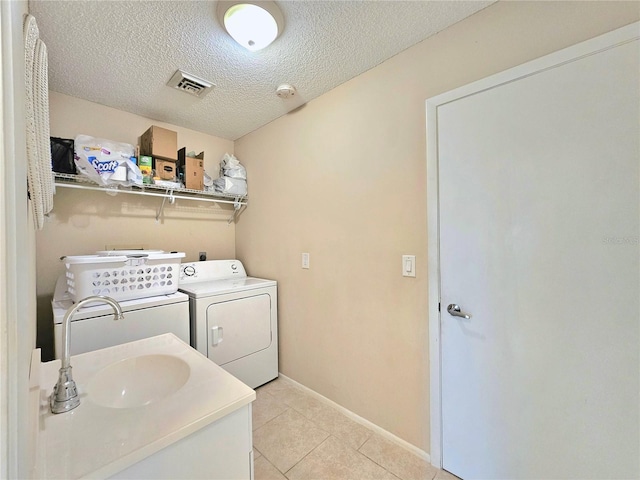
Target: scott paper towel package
[(106, 162)]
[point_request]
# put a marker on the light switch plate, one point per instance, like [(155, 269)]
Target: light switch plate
[(408, 265), (305, 260)]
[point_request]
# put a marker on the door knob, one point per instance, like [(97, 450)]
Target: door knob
[(454, 311)]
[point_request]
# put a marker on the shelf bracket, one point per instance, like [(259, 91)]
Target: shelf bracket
[(237, 205), (172, 199)]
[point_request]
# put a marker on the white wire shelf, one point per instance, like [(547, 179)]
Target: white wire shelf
[(66, 180)]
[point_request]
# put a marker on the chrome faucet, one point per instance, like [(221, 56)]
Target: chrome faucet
[(65, 393)]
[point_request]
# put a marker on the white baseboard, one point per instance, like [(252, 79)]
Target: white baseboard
[(362, 421)]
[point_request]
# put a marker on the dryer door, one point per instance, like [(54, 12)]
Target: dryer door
[(237, 328)]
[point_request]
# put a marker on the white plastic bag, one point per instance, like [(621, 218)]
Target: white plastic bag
[(231, 186), (229, 161), (106, 162), (231, 167)]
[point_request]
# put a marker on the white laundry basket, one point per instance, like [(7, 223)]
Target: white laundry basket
[(123, 277)]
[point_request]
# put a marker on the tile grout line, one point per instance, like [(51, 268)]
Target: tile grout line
[(381, 466), (313, 419), (366, 440), (269, 421), (372, 460), (305, 456), (289, 384), (390, 471), (362, 421), (347, 446), (289, 407), (329, 435)]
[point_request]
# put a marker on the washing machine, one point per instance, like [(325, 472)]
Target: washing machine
[(234, 318), (93, 327)]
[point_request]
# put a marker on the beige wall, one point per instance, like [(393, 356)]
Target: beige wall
[(345, 181), (83, 222)]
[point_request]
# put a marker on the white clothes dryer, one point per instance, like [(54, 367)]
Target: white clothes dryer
[(234, 318), (93, 327)]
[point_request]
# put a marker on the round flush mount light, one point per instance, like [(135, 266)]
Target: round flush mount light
[(253, 24)]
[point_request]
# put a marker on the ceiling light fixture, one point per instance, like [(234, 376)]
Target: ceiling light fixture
[(253, 24)]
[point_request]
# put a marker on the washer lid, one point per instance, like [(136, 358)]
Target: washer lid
[(60, 307), (229, 285)]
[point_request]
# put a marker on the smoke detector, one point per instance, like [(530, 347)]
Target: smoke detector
[(190, 84), (286, 91)]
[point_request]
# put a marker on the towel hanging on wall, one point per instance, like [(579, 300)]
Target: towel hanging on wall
[(39, 173)]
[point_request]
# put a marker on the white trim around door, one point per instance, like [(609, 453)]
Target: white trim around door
[(590, 47)]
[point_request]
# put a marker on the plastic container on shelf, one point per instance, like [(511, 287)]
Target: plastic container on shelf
[(127, 276)]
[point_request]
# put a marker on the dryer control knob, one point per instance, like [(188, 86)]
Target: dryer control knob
[(189, 270)]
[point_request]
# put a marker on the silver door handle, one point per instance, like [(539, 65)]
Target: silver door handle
[(454, 311)]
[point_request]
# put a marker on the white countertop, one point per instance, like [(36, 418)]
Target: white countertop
[(96, 442)]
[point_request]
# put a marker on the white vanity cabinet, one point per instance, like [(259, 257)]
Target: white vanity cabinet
[(220, 451), (198, 427)]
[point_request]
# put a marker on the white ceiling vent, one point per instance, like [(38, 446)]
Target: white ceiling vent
[(190, 84)]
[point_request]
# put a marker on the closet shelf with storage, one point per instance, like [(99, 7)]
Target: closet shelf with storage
[(78, 181)]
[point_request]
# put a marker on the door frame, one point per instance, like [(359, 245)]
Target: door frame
[(598, 44), (17, 257)]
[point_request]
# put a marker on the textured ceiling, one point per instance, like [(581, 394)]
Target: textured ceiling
[(122, 53)]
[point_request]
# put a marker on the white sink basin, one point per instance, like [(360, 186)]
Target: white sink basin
[(138, 381), (139, 402)]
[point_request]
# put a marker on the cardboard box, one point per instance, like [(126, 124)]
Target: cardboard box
[(194, 173), (166, 169), (160, 143), (191, 169)]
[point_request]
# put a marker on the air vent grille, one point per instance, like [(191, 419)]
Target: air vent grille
[(190, 84)]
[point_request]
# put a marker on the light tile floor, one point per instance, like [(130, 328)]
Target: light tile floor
[(297, 437)]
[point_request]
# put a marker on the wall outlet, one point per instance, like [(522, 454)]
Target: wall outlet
[(202, 256), (305, 260)]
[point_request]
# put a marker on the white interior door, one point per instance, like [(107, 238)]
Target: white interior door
[(539, 230)]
